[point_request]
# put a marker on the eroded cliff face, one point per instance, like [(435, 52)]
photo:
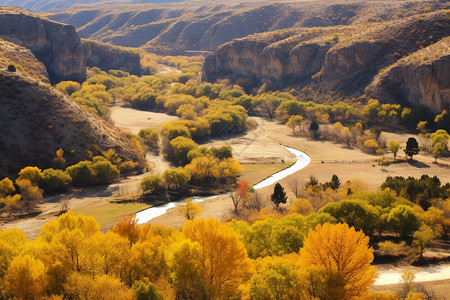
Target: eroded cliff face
[(342, 59), (108, 57), (56, 45), (422, 78)]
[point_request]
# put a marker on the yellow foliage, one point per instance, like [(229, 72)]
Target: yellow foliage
[(344, 253), (301, 206), (214, 264), (189, 210), (26, 278)]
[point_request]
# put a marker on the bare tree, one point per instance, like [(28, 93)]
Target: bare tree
[(256, 201), (236, 201), (64, 205), (295, 186)]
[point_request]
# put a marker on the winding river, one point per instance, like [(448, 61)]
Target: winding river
[(302, 161)]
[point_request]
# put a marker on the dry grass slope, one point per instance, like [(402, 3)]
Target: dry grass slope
[(36, 120)]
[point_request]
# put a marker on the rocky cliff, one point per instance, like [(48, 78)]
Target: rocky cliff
[(56, 45), (342, 59), (422, 78), (107, 57), (36, 120)]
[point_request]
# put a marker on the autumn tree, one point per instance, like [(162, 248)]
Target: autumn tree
[(279, 195), (294, 122), (394, 146), (6, 187), (181, 146), (412, 147), (26, 278), (105, 287), (423, 238), (82, 173), (150, 137), (439, 142), (345, 256), (403, 220), (33, 174), (435, 219), (151, 183), (55, 180), (356, 213), (127, 227), (30, 194), (189, 210), (9, 201), (301, 206), (175, 178), (105, 172), (12, 243), (275, 278), (59, 159), (211, 264), (240, 195)]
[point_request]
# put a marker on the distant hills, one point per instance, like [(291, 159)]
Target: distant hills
[(58, 5), (203, 26)]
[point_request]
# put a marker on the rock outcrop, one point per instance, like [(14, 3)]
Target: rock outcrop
[(56, 45), (422, 78), (108, 57), (36, 120), (343, 59)]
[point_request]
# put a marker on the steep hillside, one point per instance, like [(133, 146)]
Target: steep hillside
[(36, 120), (200, 26), (22, 58), (58, 5), (422, 78), (341, 58), (107, 57), (56, 45)]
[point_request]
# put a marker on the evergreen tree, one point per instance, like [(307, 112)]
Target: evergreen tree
[(279, 195), (412, 147)]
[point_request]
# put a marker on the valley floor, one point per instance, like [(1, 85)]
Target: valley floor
[(260, 147)]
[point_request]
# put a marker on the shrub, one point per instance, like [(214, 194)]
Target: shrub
[(82, 173), (105, 171), (55, 180), (371, 145), (388, 247), (151, 183), (149, 136), (175, 178), (181, 147), (11, 68)]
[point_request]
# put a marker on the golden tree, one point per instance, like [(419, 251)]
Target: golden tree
[(189, 210), (26, 278), (213, 264), (345, 256)]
